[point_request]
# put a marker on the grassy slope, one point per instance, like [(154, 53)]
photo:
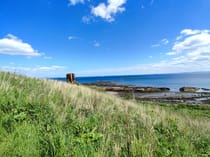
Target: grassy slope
[(50, 118)]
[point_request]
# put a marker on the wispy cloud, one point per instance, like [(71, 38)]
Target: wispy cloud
[(74, 2), (12, 45), (161, 42), (188, 54), (72, 37), (155, 45), (96, 44), (151, 2), (108, 11), (88, 19), (173, 66), (194, 43), (147, 3), (187, 32), (33, 71), (142, 6), (47, 57), (164, 41)]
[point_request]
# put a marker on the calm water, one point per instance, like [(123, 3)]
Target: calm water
[(173, 81)]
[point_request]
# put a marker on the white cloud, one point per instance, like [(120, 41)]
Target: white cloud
[(74, 2), (47, 68), (192, 53), (33, 71), (177, 65), (12, 45), (195, 42), (187, 32), (108, 11), (170, 53)]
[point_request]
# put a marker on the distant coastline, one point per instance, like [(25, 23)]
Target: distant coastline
[(173, 81), (194, 72)]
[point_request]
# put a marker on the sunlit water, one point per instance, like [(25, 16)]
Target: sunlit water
[(173, 81)]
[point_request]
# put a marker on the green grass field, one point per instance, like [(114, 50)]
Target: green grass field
[(51, 118)]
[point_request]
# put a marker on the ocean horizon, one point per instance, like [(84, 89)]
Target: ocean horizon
[(173, 81)]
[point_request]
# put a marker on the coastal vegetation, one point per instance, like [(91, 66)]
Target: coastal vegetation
[(41, 117)]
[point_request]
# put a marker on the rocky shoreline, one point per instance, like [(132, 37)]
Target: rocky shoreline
[(190, 95)]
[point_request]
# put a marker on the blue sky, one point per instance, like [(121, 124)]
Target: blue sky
[(49, 38)]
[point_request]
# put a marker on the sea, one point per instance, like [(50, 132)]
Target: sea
[(172, 81)]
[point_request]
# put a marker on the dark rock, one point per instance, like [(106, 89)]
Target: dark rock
[(205, 89), (118, 89), (121, 88), (164, 89), (151, 89), (188, 89), (102, 84), (139, 89), (110, 86)]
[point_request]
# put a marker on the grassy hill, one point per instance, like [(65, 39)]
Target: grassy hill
[(50, 118)]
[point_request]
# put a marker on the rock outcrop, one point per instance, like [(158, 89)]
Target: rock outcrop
[(205, 89), (102, 84), (118, 89), (188, 89), (110, 86), (151, 89)]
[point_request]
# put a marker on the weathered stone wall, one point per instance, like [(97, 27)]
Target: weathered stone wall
[(70, 77)]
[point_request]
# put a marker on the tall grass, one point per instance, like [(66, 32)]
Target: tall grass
[(51, 118)]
